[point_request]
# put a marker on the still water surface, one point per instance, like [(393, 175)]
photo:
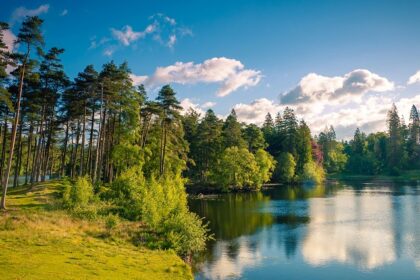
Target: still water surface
[(335, 231)]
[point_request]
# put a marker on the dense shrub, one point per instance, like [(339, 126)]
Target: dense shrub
[(266, 165), (162, 205), (127, 193), (77, 194), (313, 173), (239, 168), (285, 169)]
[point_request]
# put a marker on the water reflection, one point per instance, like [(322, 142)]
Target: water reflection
[(371, 230)]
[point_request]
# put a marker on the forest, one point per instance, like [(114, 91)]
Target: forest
[(120, 152)]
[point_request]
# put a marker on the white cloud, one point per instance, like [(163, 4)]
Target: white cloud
[(188, 104), (256, 111), (127, 35), (64, 12), (9, 39), (22, 12), (109, 51), (414, 78), (317, 88), (208, 104), (137, 80), (227, 72), (163, 29), (172, 40)]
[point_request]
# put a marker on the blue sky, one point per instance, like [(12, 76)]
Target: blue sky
[(361, 53)]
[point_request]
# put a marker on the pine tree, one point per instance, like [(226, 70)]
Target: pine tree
[(29, 36), (290, 132), (395, 143), (170, 116), (209, 136), (303, 147), (232, 132), (254, 138)]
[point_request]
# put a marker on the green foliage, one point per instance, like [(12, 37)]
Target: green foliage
[(337, 159), (237, 169), (127, 193), (312, 173), (396, 153), (266, 165), (334, 157), (254, 138), (77, 194), (285, 169), (125, 156), (232, 133), (185, 233), (162, 205), (303, 147)]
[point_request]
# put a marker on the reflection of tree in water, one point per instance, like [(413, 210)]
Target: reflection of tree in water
[(233, 215), (303, 192), (363, 225)]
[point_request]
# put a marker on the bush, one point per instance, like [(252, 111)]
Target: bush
[(165, 210), (77, 194), (127, 193), (285, 169), (266, 165), (162, 205), (313, 173), (185, 233)]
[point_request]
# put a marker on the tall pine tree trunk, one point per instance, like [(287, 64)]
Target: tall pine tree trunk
[(82, 149), (63, 156), (28, 153), (13, 136)]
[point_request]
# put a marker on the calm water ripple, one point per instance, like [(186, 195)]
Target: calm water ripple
[(335, 231)]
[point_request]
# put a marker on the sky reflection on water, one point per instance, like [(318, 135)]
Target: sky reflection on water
[(351, 231)]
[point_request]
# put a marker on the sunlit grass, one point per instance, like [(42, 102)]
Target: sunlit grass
[(39, 241)]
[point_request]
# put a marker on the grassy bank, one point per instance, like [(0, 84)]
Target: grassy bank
[(39, 241), (410, 175)]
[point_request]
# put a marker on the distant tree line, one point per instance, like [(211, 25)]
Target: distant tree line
[(389, 152)]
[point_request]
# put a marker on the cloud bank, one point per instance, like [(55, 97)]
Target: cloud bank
[(317, 88), (229, 73)]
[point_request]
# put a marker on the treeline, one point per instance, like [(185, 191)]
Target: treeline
[(392, 152), (230, 154)]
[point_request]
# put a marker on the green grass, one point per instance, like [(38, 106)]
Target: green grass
[(39, 241), (409, 175)]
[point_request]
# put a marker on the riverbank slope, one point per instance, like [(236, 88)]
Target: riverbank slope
[(40, 241)]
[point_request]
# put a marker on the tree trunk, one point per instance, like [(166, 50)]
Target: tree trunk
[(63, 157), (90, 157), (18, 157), (13, 136), (3, 150), (82, 149), (28, 152)]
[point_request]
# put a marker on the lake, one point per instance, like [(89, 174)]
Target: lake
[(334, 231)]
